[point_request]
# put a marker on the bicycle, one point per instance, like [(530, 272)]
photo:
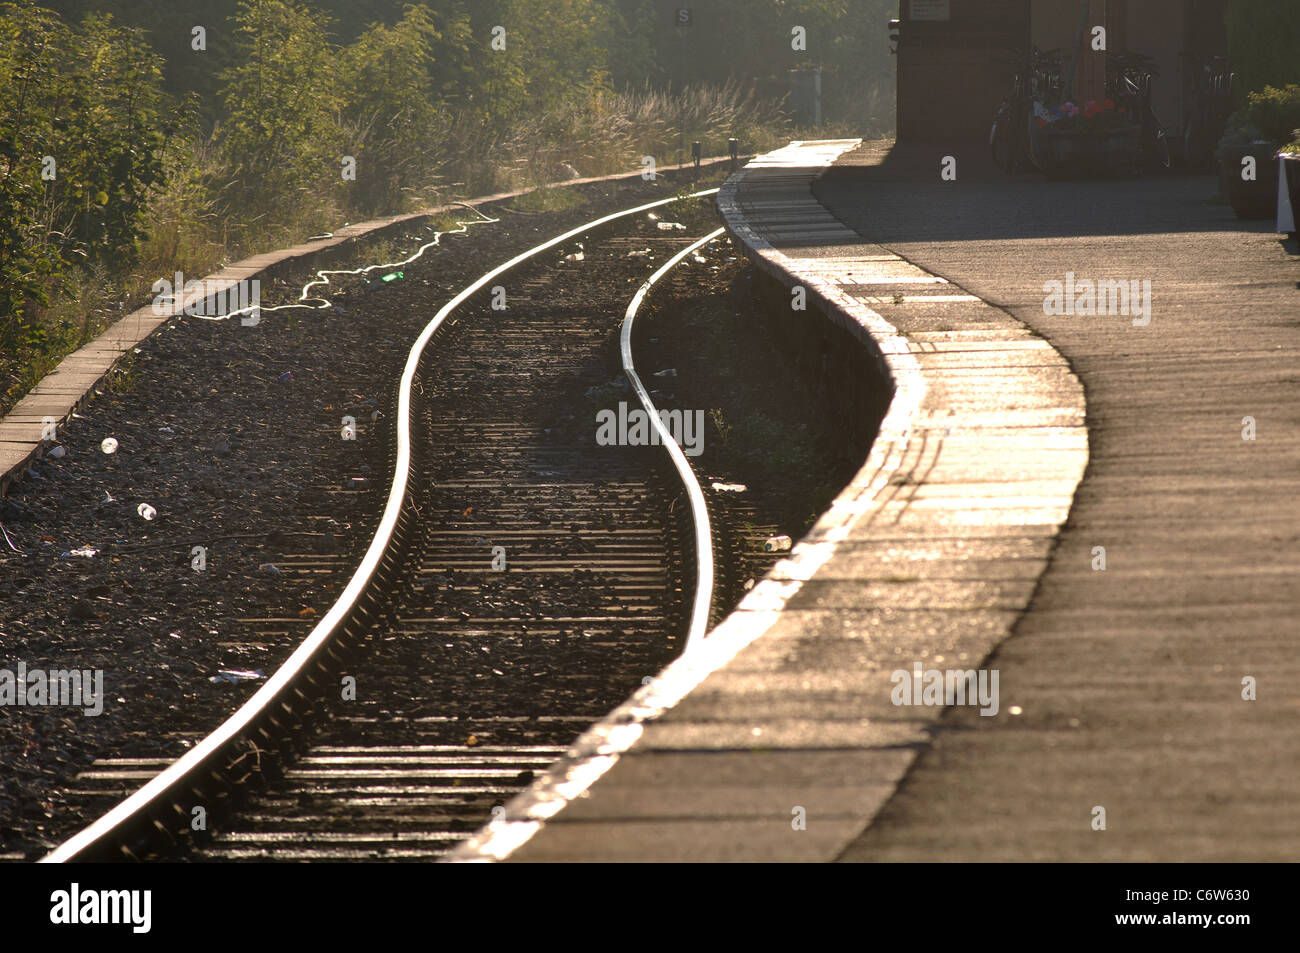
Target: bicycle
[(1211, 104), (1012, 137), (1128, 85)]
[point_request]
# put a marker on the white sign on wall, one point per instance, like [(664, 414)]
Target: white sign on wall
[(929, 10)]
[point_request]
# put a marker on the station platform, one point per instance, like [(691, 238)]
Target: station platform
[(1136, 681)]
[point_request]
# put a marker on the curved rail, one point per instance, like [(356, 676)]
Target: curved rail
[(140, 816), (596, 751), (699, 511)]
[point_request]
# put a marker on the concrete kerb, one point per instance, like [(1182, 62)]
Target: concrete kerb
[(898, 370), (63, 392)]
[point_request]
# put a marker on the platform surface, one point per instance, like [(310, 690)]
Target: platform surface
[(1130, 679)]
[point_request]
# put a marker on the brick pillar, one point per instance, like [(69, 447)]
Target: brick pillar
[(1091, 81)]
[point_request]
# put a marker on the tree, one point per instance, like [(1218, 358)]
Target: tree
[(32, 44), (111, 128), (1262, 44), (281, 137), (389, 115)]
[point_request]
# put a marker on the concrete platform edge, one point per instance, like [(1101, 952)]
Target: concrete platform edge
[(598, 749)]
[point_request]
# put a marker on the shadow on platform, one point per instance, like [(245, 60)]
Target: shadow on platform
[(894, 193)]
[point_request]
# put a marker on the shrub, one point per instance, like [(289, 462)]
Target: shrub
[(81, 128), (1274, 112), (281, 139), (389, 118), (1271, 115)]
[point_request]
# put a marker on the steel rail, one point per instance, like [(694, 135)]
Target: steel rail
[(181, 783), (593, 754), (699, 510)]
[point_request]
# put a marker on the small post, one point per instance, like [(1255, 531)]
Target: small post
[(733, 147), (695, 156)]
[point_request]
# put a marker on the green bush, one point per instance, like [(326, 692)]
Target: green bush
[(1271, 115), (110, 140), (390, 118), (281, 139), (1275, 112), (82, 122)]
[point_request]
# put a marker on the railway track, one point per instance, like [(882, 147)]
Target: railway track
[(522, 581)]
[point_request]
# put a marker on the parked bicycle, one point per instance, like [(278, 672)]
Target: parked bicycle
[(1210, 104), (1037, 78), (1128, 84)]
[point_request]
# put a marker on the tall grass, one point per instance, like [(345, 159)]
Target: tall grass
[(611, 132)]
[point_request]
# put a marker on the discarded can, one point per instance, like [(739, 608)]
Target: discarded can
[(393, 276), (729, 488), (777, 544), (235, 676)]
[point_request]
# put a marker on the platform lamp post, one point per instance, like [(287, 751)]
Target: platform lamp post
[(733, 148)]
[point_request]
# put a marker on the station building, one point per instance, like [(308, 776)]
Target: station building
[(956, 57)]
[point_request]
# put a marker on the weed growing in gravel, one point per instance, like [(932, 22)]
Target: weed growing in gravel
[(125, 376), (720, 425), (549, 200), (385, 250), (686, 206), (445, 222)]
